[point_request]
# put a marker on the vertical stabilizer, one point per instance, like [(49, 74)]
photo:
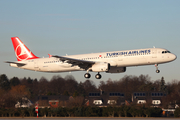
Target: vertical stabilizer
[(21, 51)]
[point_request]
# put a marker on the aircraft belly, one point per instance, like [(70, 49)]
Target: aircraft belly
[(59, 68), (29, 66), (133, 61), (143, 60), (62, 69), (112, 62)]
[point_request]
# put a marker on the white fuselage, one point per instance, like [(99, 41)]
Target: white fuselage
[(125, 58)]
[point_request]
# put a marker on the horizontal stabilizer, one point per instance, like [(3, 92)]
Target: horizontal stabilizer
[(18, 64)]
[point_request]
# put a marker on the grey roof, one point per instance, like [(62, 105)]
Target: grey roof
[(51, 97), (105, 96)]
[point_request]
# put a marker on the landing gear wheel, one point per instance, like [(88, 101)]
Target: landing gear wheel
[(98, 76), (87, 75), (157, 71)]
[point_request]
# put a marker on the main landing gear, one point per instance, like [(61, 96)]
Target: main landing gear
[(157, 71), (87, 75), (97, 76)]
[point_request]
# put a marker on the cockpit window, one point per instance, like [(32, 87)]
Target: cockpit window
[(165, 52)]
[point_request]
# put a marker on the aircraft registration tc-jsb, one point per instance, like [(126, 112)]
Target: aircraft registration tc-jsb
[(109, 62)]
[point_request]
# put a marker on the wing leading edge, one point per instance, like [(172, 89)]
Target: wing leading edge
[(81, 63)]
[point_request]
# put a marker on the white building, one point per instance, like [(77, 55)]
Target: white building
[(25, 102)]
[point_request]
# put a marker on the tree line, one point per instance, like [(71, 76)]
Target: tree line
[(13, 89), (123, 111)]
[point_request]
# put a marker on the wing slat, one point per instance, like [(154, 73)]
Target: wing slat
[(81, 63)]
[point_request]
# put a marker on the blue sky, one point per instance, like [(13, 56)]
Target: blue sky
[(61, 27)]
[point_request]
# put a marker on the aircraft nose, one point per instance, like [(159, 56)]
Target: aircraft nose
[(174, 56)]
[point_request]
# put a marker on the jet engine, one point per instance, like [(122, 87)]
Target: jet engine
[(114, 69), (100, 67)]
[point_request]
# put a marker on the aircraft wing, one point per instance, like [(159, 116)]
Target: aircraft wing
[(18, 64), (81, 63)]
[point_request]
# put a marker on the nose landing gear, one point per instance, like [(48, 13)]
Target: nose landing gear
[(157, 70)]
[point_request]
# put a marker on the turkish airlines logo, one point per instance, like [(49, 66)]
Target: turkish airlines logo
[(22, 53)]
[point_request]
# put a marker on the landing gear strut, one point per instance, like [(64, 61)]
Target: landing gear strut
[(157, 71), (98, 76)]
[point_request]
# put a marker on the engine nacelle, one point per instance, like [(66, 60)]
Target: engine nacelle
[(114, 69), (100, 67)]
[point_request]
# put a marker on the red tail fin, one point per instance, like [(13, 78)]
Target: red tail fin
[(22, 52)]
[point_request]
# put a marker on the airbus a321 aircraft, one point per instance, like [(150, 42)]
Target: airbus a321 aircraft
[(110, 62)]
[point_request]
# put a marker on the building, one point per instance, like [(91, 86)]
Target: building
[(103, 99), (153, 98), (53, 101)]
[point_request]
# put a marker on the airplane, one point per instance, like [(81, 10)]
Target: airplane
[(109, 62)]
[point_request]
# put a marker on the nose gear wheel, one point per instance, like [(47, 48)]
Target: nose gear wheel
[(157, 71)]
